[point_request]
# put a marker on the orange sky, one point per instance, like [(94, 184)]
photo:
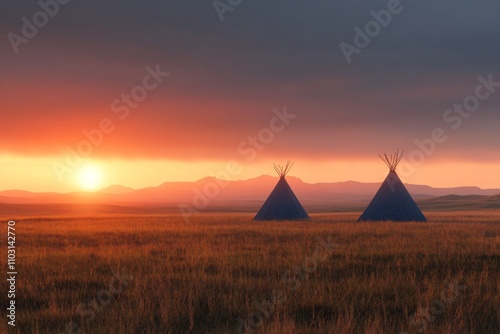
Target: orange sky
[(155, 91)]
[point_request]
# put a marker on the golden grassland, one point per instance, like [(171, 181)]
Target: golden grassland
[(204, 276)]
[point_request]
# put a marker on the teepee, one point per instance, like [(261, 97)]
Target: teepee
[(392, 201), (282, 204)]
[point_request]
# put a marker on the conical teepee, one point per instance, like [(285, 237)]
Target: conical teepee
[(392, 201), (282, 204)]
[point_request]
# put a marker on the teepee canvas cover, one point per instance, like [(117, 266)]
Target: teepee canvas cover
[(282, 204), (392, 201)]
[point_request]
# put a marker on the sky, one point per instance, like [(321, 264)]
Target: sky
[(138, 93)]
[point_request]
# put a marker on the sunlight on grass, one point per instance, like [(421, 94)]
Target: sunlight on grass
[(201, 277)]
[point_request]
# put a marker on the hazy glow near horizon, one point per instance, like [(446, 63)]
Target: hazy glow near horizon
[(36, 174)]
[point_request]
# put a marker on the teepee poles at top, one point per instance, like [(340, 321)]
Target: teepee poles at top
[(283, 170), (392, 161)]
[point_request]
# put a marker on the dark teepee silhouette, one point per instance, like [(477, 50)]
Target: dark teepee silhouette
[(282, 204), (392, 201)]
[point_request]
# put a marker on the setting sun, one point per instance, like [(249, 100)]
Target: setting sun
[(90, 177)]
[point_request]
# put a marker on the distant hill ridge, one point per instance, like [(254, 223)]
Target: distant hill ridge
[(255, 189)]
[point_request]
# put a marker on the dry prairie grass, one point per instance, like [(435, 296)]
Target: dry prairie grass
[(199, 278)]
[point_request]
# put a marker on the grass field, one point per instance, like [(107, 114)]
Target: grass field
[(156, 274)]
